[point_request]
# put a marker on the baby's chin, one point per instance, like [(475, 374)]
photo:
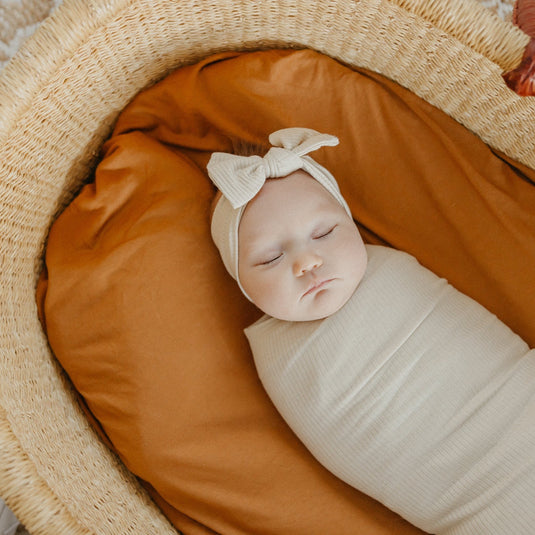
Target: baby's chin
[(322, 313), (323, 306)]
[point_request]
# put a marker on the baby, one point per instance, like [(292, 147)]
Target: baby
[(396, 382), (297, 261)]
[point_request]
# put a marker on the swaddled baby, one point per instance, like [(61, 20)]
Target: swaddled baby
[(396, 382)]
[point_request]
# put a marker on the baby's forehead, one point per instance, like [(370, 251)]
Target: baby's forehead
[(281, 206)]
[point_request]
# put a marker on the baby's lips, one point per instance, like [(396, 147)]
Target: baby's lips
[(522, 79)]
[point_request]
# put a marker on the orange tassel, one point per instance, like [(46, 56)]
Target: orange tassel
[(524, 16), (522, 79)]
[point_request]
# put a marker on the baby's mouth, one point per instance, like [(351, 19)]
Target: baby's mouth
[(316, 286)]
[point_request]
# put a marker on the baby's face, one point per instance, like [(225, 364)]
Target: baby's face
[(301, 256)]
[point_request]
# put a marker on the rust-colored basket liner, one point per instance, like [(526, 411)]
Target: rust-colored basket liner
[(59, 98)]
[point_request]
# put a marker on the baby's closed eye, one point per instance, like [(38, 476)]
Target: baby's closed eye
[(323, 233), (271, 259)]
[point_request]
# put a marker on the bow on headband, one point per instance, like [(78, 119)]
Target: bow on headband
[(240, 178)]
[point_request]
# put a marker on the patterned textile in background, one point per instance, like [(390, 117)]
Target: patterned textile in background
[(20, 18), (502, 8)]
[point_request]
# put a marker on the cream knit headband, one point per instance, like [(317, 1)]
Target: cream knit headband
[(240, 178)]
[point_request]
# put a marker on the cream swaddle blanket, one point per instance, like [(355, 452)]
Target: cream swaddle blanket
[(414, 394)]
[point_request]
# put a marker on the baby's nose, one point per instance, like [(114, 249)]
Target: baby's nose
[(306, 262)]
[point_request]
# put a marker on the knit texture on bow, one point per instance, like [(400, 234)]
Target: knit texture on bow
[(240, 178)]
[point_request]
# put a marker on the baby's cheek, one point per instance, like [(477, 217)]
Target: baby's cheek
[(261, 288), (277, 296), (359, 262), (274, 289)]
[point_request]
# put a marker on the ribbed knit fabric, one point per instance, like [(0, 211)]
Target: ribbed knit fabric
[(414, 394)]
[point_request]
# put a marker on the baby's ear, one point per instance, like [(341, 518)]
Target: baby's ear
[(249, 148)]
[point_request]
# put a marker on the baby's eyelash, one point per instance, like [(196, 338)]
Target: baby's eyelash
[(325, 233), (270, 261)]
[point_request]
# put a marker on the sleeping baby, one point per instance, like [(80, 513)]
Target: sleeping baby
[(400, 385)]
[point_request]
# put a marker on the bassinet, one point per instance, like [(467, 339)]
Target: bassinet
[(58, 101)]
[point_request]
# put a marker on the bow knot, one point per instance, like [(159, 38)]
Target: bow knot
[(240, 178), (279, 162)]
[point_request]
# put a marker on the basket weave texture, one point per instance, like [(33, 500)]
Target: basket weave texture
[(59, 99)]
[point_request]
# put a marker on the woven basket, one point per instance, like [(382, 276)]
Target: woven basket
[(59, 98)]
